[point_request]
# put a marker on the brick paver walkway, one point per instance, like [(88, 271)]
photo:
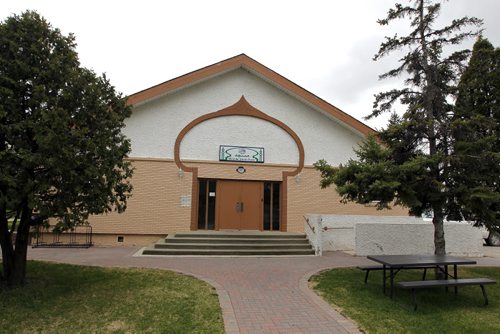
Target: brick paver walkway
[(257, 295)]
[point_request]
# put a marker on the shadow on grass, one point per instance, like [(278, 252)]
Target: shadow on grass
[(65, 298)]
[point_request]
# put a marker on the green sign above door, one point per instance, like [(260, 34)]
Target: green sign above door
[(241, 153)]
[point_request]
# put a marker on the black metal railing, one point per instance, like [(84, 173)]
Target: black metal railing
[(78, 237)]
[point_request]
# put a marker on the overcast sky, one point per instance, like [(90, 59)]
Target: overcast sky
[(324, 46)]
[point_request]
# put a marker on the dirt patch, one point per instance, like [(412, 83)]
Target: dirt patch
[(116, 326)]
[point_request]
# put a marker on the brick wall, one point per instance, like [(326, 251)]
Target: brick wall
[(227, 170), (306, 196), (155, 206)]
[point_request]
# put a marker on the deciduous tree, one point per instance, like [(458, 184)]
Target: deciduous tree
[(61, 147)]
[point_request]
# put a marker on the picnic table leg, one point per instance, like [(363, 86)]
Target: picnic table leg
[(484, 295), (414, 299), (446, 273), (384, 279), (392, 281), (455, 276)]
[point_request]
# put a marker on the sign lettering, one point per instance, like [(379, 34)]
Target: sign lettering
[(241, 153)]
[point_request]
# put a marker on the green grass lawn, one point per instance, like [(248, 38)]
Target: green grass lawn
[(438, 311), (61, 298)]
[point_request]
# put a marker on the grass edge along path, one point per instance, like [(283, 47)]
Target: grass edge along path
[(438, 311), (62, 298)]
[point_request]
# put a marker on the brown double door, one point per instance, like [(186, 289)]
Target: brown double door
[(239, 205)]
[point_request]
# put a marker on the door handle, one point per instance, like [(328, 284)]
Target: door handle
[(239, 207)]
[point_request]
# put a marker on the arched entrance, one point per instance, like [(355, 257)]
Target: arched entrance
[(239, 204)]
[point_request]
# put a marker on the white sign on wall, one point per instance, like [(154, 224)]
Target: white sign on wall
[(241, 153), (186, 201)]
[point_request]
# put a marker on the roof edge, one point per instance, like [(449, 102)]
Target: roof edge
[(242, 60)]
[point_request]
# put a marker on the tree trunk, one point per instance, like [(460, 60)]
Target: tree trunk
[(439, 242), (14, 259), (7, 249)]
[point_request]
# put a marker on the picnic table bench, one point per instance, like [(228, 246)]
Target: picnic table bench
[(367, 269), (414, 285), (394, 263)]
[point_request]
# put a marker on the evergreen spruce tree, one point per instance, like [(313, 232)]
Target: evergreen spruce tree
[(416, 145), (476, 132)]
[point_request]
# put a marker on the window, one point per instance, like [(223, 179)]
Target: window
[(271, 206), (206, 204)]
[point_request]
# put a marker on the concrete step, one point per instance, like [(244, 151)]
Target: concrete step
[(227, 252), (166, 245), (207, 243), (247, 240), (241, 235)]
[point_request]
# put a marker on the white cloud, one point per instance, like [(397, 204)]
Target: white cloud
[(325, 46)]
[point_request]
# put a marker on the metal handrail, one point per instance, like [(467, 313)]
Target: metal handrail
[(326, 228), (307, 221)]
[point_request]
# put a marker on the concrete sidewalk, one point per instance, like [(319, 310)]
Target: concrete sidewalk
[(256, 294)]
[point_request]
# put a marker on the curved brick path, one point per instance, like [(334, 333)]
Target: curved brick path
[(257, 295)]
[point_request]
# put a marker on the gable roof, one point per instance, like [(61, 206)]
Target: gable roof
[(244, 61)]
